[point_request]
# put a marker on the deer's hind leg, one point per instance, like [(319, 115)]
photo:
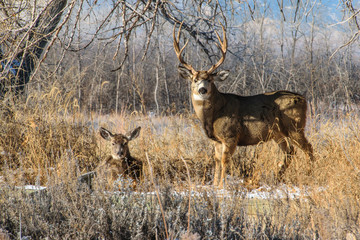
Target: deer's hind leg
[(288, 149), (300, 140)]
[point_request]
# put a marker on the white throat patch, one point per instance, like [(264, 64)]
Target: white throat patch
[(199, 97)]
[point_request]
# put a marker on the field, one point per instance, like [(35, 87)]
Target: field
[(46, 141)]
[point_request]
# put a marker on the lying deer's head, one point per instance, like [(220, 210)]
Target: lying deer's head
[(201, 81), (119, 148)]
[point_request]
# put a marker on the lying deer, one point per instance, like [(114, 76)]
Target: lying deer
[(120, 162), (231, 120)]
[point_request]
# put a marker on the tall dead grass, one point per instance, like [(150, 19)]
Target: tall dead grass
[(48, 141)]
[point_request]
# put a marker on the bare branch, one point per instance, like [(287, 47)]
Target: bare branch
[(354, 13)]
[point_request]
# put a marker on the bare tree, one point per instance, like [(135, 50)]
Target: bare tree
[(24, 38), (351, 16), (117, 54)]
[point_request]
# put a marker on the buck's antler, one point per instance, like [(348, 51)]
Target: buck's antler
[(222, 48), (179, 52)]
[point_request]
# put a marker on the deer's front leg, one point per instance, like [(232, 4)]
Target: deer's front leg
[(227, 151), (218, 157)]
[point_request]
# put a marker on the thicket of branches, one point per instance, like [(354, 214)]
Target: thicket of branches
[(118, 55)]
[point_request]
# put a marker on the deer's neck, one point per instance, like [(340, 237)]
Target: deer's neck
[(206, 110)]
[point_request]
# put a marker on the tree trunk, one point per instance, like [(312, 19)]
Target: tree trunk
[(25, 60)]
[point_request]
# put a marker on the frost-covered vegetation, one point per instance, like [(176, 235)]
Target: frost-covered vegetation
[(48, 142)]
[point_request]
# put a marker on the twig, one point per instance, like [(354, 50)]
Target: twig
[(351, 8), (157, 194), (346, 44), (188, 174), (346, 20)]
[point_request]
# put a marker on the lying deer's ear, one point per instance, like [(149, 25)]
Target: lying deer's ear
[(221, 75), (133, 134), (106, 134), (184, 72)]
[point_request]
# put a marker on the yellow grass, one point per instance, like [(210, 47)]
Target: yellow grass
[(47, 141)]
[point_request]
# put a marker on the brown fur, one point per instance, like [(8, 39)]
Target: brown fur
[(120, 162), (113, 168), (231, 120)]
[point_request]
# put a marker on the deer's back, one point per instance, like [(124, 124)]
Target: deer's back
[(251, 119), (267, 106)]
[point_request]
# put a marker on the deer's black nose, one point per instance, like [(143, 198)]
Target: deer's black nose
[(202, 90)]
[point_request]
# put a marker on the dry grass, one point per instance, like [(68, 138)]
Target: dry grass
[(47, 141)]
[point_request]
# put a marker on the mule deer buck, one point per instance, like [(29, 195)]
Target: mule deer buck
[(120, 162), (231, 120)]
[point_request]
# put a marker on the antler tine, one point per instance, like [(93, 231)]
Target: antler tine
[(179, 51), (223, 49)]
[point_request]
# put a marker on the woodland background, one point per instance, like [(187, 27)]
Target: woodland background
[(118, 55), (68, 67)]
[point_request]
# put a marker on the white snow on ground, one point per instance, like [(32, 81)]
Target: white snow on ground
[(263, 192), (32, 187), (266, 192), (280, 192)]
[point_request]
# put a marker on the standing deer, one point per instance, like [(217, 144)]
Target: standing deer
[(231, 120), (120, 162)]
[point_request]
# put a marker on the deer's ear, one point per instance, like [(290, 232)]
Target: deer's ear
[(221, 75), (184, 72), (133, 134), (106, 134)]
